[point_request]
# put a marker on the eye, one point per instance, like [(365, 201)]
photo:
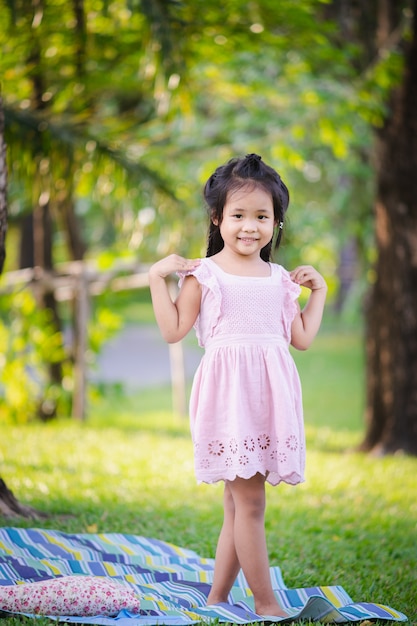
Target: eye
[(237, 215)]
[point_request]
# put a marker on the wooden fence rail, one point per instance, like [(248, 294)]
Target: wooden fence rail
[(78, 281)]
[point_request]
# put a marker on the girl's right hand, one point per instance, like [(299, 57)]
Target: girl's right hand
[(175, 317), (172, 264)]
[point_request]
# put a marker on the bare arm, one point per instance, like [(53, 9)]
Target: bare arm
[(174, 319), (307, 322)]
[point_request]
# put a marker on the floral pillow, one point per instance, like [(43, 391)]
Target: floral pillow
[(70, 595)]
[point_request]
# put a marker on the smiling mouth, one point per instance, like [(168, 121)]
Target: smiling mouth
[(247, 239)]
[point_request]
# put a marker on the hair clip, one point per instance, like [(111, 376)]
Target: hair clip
[(281, 225)]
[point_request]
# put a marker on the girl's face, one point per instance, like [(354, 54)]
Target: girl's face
[(248, 221)]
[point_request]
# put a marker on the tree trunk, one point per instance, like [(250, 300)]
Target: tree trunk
[(36, 250), (3, 190), (391, 342), (9, 506)]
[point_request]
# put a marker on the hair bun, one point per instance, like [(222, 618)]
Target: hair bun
[(253, 157)]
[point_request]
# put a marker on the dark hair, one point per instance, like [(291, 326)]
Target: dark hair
[(238, 173)]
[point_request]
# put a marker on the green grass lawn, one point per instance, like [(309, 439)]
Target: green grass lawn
[(129, 469)]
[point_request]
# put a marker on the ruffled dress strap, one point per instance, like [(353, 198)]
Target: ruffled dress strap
[(292, 289), (292, 292), (211, 300)]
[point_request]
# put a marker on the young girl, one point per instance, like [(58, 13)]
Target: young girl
[(245, 406)]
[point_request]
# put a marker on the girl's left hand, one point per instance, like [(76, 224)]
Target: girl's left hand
[(307, 276)]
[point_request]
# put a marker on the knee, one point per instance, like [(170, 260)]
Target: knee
[(249, 498), (254, 505)]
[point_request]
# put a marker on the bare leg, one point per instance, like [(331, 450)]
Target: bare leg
[(226, 566), (250, 541)]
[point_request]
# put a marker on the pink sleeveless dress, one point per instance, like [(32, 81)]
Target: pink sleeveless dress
[(246, 411)]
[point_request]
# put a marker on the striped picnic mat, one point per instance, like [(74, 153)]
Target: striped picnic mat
[(172, 582)]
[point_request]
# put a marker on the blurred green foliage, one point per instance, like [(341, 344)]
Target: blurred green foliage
[(29, 345), (117, 114), (129, 110)]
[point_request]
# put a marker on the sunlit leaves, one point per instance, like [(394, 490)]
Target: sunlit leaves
[(29, 343), (171, 89), (105, 324)]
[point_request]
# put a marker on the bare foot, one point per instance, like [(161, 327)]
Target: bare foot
[(213, 599), (270, 609)]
